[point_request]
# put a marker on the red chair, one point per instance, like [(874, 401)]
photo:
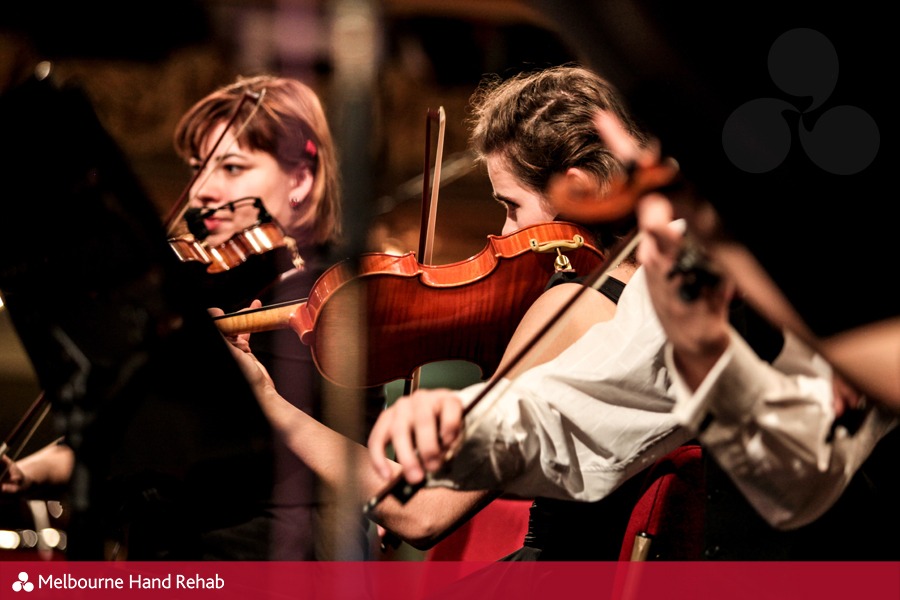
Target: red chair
[(667, 520), (495, 531)]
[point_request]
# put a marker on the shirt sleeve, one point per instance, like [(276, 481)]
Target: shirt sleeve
[(772, 429), (580, 425)]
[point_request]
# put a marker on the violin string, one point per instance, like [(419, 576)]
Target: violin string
[(248, 311)]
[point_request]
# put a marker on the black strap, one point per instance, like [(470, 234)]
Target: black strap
[(611, 288)]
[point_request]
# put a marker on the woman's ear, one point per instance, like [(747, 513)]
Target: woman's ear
[(580, 184), (301, 186), (573, 193)]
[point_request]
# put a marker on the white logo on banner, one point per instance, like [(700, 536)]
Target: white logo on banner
[(22, 584)]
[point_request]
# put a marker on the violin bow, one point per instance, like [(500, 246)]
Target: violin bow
[(426, 245), (39, 404), (429, 208)]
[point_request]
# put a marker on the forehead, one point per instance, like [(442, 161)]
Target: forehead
[(228, 141), (499, 172), (507, 184)]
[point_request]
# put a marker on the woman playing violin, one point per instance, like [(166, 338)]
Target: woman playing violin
[(277, 155), (530, 131), (279, 150), (274, 160)]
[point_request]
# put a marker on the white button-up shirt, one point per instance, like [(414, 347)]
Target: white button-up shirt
[(612, 404)]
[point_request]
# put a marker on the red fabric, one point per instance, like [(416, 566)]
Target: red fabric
[(671, 508), (498, 529)]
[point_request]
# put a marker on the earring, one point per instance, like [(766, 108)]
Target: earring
[(295, 202)]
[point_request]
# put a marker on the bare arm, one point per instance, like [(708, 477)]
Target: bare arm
[(50, 466), (423, 521)]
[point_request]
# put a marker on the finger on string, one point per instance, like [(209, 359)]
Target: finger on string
[(404, 444), (623, 145), (427, 447), (377, 446)]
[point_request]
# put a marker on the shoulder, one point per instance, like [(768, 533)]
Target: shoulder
[(586, 307)]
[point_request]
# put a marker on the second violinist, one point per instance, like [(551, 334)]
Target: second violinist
[(267, 153), (279, 149)]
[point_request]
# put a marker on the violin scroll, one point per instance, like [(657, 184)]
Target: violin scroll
[(645, 171)]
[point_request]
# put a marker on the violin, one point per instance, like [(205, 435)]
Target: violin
[(261, 237), (646, 172), (414, 314)]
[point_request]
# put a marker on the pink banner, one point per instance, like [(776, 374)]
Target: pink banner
[(444, 580)]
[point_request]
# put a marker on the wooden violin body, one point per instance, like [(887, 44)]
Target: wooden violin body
[(414, 314), (234, 252)]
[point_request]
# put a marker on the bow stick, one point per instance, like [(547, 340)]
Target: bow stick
[(429, 209), (40, 404)]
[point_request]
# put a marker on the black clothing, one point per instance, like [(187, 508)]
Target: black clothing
[(862, 525), (288, 527), (571, 530)]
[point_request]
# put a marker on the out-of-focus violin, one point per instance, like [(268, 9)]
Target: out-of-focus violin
[(415, 314), (261, 237)]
